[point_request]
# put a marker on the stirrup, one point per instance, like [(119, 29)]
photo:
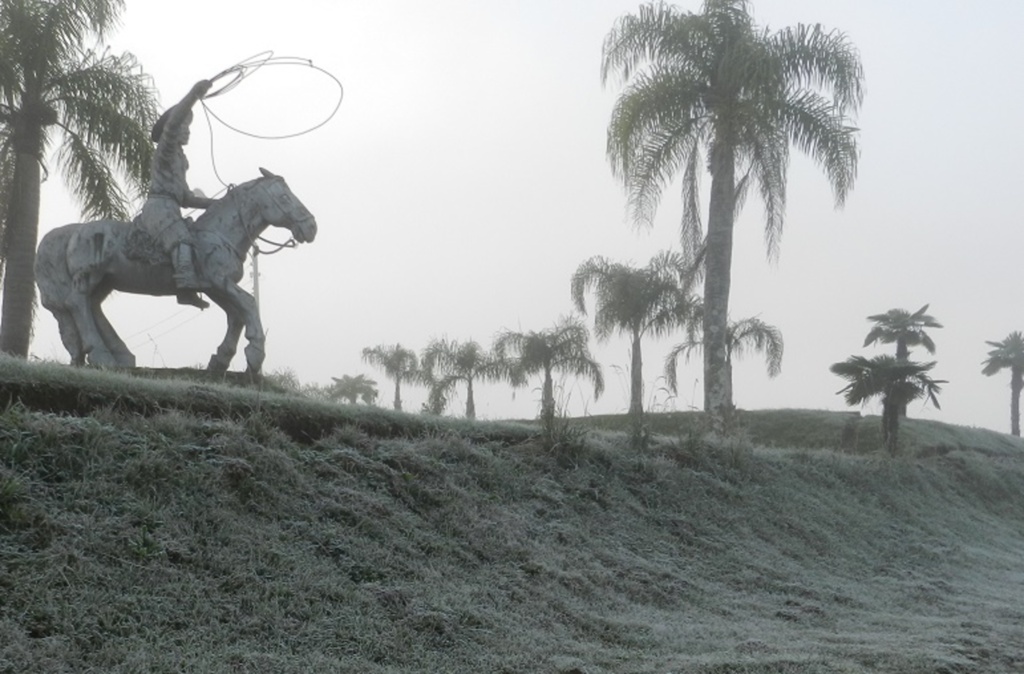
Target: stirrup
[(192, 298)]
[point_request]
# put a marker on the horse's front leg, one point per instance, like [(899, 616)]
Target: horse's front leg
[(118, 349), (244, 307), (221, 361)]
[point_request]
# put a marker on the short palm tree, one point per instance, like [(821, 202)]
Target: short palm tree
[(654, 300), (713, 88), (1009, 354), (748, 334), (55, 86), (352, 389), (562, 348), (905, 329), (448, 363), (397, 362), (896, 382)]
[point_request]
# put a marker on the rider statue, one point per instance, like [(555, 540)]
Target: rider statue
[(169, 193)]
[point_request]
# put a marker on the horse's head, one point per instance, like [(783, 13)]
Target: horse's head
[(282, 208)]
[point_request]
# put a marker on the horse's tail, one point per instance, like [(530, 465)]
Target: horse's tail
[(52, 274)]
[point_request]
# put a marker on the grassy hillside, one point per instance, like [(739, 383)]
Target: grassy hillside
[(181, 527)]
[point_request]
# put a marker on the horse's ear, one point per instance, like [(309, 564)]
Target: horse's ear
[(266, 173)]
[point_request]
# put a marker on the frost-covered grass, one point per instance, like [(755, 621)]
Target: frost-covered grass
[(171, 540)]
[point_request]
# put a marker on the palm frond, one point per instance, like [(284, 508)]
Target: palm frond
[(686, 350), (756, 335), (813, 57), (563, 347), (1008, 353), (91, 180), (655, 126)]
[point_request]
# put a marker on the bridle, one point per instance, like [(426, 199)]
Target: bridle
[(287, 212)]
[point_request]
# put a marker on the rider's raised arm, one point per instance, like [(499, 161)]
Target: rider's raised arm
[(180, 111)]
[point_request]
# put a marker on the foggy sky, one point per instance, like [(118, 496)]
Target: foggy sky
[(464, 179)]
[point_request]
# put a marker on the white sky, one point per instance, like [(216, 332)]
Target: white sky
[(464, 179)]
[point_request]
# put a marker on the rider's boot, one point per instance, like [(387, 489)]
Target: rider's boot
[(185, 277)]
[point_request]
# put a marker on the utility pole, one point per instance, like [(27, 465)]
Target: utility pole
[(256, 276)]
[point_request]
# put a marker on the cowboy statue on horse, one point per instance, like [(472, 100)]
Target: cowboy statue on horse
[(169, 193), (163, 253)]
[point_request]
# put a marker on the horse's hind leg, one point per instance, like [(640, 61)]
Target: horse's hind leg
[(93, 345), (69, 335), (118, 349)]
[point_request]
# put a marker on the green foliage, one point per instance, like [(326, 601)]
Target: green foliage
[(654, 300), (352, 389), (747, 334), (447, 363), (398, 363), (60, 86), (686, 77), (904, 329), (192, 542), (13, 495), (897, 382), (562, 348), (1009, 354), (1006, 354), (714, 89)]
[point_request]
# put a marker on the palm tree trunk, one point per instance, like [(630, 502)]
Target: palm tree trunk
[(20, 238), (903, 355), (890, 426), (1016, 384), (902, 352), (547, 401), (470, 404), (398, 393), (636, 393), (718, 279), (636, 383)]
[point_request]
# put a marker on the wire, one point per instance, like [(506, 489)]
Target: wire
[(148, 328), (173, 328)]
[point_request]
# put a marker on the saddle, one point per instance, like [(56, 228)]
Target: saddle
[(140, 246)]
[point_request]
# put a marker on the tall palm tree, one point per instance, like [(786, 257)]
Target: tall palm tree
[(397, 362), (447, 363), (653, 300), (747, 334), (352, 389), (55, 87), (1009, 353), (897, 382), (716, 85), (562, 348), (905, 329)]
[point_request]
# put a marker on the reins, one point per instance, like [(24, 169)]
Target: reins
[(278, 247)]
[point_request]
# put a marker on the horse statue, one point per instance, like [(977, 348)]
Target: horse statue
[(79, 265)]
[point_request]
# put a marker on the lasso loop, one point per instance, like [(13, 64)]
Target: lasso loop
[(241, 71)]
